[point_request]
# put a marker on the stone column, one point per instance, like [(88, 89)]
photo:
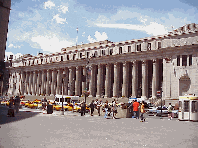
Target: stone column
[(53, 82), (59, 78), (65, 85), (134, 79), (26, 82), (34, 83), (30, 83), (22, 82), (38, 83), (154, 79), (116, 81), (71, 81), (42, 82), (144, 79), (78, 81), (100, 80), (93, 81), (107, 81), (47, 83), (125, 79), (84, 75)]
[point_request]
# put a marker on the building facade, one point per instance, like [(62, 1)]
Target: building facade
[(4, 20), (132, 68)]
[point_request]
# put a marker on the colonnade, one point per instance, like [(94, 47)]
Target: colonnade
[(108, 80)]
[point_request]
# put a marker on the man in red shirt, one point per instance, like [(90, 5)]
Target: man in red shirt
[(135, 108)]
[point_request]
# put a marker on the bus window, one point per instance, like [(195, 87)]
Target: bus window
[(194, 106), (180, 105), (186, 106), (57, 99)]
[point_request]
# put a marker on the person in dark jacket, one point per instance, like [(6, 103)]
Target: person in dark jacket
[(92, 107), (83, 108)]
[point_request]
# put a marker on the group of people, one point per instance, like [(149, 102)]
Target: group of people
[(136, 106), (97, 104)]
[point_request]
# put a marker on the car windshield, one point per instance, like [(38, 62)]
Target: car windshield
[(163, 108)]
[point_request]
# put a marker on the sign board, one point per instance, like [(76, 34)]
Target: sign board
[(159, 93)]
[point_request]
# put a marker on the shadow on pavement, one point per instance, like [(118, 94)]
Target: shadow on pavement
[(18, 116)]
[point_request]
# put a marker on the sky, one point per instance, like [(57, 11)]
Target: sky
[(46, 26)]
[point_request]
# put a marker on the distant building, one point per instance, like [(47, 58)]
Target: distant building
[(4, 20), (138, 68)]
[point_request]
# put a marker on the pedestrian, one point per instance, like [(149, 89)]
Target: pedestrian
[(131, 108), (106, 107), (17, 103), (170, 108), (135, 109), (142, 112), (92, 107), (114, 109), (82, 108)]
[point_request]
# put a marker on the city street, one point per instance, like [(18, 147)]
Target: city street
[(31, 128)]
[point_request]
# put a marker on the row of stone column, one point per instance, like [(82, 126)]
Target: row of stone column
[(69, 80)]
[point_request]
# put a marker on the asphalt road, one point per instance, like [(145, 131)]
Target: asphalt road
[(35, 129)]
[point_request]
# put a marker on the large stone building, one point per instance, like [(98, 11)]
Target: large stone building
[(4, 19), (137, 68)]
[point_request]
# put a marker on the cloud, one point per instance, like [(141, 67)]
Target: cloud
[(59, 20), (63, 9), (99, 37), (48, 4), (51, 43), (12, 46), (152, 29)]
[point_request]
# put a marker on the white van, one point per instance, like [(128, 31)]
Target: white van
[(66, 99)]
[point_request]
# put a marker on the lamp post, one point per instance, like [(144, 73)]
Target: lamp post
[(62, 111)]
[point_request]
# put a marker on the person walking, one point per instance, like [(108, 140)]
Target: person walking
[(135, 109), (82, 108), (114, 109), (92, 107), (106, 107), (142, 112), (170, 108)]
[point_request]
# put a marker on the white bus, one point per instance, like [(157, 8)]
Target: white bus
[(66, 99)]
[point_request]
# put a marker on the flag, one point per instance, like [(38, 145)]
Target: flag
[(77, 29)]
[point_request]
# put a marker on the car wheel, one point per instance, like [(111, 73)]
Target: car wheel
[(66, 109)]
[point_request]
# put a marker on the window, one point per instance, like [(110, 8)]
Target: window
[(95, 54), (190, 60), (41, 61), (120, 50), (139, 47), (194, 106), (129, 48), (61, 58), (186, 106), (178, 60), (67, 57), (149, 46), (184, 60), (87, 54), (103, 52), (111, 52), (80, 55), (159, 45), (74, 56)]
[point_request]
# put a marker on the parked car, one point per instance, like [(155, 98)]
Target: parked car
[(164, 111), (151, 111)]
